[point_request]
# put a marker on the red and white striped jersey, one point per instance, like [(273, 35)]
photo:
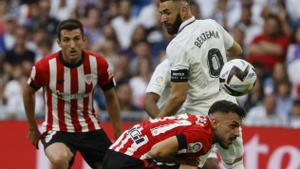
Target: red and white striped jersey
[(68, 90), (138, 140)]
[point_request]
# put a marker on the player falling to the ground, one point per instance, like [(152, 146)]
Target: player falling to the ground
[(181, 138)]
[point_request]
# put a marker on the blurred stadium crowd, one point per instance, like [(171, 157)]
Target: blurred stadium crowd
[(129, 34)]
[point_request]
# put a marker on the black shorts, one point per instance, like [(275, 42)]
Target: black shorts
[(116, 160), (92, 145)]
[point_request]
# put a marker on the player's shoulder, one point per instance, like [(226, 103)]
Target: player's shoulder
[(95, 55), (206, 21), (164, 65), (43, 62)]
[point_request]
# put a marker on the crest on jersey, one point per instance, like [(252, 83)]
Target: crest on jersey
[(160, 79), (88, 78), (194, 147)]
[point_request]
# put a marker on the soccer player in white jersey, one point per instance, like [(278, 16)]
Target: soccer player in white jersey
[(197, 54), (68, 78)]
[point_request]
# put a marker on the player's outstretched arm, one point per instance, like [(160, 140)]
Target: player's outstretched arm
[(236, 50), (150, 105), (176, 98), (113, 109), (29, 105)]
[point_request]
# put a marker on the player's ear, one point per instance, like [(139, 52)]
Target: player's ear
[(58, 42), (213, 121), (183, 12), (84, 38)]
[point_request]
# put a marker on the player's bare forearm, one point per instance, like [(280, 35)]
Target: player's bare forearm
[(113, 109), (29, 105), (172, 105), (176, 98), (150, 106), (165, 150), (235, 50)]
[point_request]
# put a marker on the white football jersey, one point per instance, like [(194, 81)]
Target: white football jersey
[(160, 82), (197, 55)]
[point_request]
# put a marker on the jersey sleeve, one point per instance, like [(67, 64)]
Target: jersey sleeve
[(193, 141), (179, 63), (227, 38), (35, 79), (105, 76), (159, 78)]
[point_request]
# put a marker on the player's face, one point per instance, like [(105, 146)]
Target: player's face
[(170, 16), (71, 42), (227, 129)]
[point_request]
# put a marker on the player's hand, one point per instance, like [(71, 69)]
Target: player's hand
[(34, 136)]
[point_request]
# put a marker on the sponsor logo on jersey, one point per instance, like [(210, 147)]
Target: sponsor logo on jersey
[(70, 96)]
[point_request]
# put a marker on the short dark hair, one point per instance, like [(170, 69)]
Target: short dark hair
[(225, 106), (188, 1), (69, 24)]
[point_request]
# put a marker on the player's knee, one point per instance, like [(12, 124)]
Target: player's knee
[(59, 160)]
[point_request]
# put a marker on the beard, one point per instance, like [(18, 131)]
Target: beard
[(172, 28), (221, 141)]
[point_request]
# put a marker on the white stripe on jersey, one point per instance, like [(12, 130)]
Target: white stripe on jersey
[(52, 86), (113, 146), (46, 109), (134, 147), (167, 127), (94, 71), (123, 142), (67, 105), (80, 102)]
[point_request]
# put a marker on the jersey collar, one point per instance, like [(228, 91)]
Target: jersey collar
[(68, 64), (186, 23)]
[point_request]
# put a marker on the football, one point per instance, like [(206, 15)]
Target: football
[(237, 77)]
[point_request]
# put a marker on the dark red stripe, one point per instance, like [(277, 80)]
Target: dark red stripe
[(88, 88), (74, 106), (60, 102)]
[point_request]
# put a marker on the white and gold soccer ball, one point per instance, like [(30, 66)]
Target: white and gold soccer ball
[(237, 77)]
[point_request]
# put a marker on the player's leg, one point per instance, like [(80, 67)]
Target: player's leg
[(233, 156), (57, 149), (93, 147)]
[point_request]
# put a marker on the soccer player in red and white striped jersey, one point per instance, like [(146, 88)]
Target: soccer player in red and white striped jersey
[(68, 78), (181, 138)]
